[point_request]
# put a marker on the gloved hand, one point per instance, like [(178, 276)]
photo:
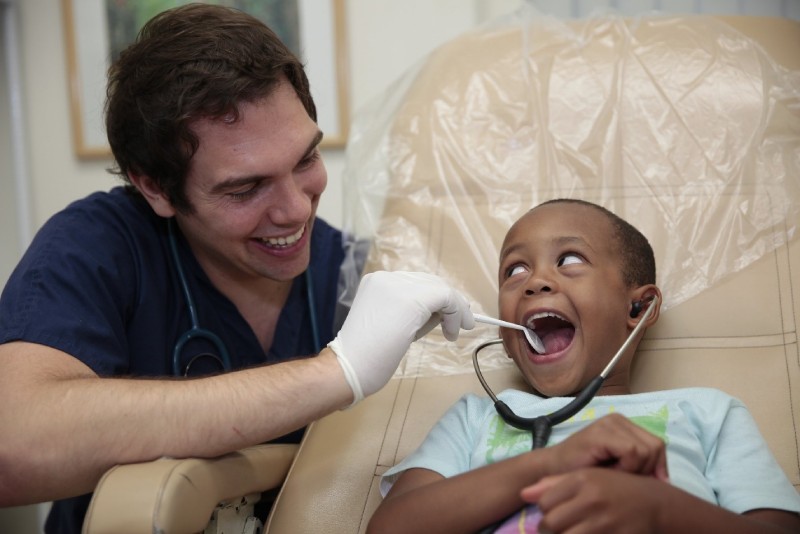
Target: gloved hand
[(389, 312)]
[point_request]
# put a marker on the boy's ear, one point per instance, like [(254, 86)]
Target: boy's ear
[(641, 299), (153, 194)]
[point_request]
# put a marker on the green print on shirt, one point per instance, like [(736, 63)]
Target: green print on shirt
[(505, 441)]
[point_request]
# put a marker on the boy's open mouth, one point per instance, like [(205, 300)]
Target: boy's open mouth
[(555, 332)]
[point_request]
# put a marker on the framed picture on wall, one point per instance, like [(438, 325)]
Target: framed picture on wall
[(97, 30)]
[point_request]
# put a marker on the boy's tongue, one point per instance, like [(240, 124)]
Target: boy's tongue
[(557, 339)]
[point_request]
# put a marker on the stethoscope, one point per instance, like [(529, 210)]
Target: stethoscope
[(196, 332), (541, 426)]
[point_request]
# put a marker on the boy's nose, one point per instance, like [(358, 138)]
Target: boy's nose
[(538, 285)]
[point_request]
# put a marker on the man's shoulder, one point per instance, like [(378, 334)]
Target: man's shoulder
[(117, 204), (111, 217)]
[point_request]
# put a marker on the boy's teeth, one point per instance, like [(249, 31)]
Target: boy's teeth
[(285, 241), (542, 315)]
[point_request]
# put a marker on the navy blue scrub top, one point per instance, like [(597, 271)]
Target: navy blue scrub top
[(98, 282)]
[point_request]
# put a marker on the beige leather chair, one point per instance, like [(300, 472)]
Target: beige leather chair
[(184, 496), (736, 331)]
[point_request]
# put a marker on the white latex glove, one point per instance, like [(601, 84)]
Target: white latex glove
[(390, 311)]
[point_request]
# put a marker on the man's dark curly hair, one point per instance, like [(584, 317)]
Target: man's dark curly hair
[(188, 63), (638, 259)]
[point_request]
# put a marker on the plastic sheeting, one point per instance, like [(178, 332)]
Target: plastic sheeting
[(684, 126)]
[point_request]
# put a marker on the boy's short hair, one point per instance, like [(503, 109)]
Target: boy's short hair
[(191, 62), (638, 260)]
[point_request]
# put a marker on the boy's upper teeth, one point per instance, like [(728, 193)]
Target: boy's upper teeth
[(288, 240), (542, 315)]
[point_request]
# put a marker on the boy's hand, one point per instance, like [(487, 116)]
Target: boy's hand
[(612, 441), (597, 500), (596, 483)]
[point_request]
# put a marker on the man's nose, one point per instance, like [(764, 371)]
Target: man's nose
[(291, 203)]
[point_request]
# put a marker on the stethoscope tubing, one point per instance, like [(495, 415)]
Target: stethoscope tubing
[(197, 332), (542, 425)]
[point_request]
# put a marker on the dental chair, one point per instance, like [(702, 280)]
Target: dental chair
[(688, 127), (182, 496)]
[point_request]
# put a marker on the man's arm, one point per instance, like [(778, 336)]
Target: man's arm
[(63, 426)]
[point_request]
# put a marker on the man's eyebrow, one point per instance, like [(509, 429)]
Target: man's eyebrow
[(315, 142), (233, 183)]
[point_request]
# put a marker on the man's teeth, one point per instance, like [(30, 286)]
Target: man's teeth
[(285, 241)]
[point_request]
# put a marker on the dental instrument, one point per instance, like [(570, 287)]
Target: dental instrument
[(533, 340)]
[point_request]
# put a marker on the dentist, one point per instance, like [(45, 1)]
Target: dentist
[(213, 129)]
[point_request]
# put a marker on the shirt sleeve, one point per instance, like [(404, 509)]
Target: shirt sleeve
[(72, 291), (448, 446), (756, 481)]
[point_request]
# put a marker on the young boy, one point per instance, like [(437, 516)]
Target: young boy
[(582, 278)]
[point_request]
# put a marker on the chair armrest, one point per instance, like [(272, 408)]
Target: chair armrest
[(175, 496)]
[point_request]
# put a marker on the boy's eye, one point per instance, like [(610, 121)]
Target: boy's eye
[(569, 259), (515, 270)]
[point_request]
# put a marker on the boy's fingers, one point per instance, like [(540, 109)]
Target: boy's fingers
[(636, 450), (534, 492)]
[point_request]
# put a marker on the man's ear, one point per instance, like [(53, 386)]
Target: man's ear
[(641, 299), (153, 194)]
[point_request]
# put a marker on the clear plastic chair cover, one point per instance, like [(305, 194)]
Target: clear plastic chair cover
[(609, 109)]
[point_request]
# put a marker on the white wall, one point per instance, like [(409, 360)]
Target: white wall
[(8, 239)]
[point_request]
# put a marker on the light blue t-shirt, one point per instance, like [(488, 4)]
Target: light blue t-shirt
[(714, 448)]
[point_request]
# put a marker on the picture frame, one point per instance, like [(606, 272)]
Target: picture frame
[(321, 38)]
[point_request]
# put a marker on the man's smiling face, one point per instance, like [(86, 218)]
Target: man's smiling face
[(561, 273), (254, 185)]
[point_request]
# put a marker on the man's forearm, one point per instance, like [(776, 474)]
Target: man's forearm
[(63, 426)]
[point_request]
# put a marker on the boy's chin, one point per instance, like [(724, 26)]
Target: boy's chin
[(548, 391), (551, 388)]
